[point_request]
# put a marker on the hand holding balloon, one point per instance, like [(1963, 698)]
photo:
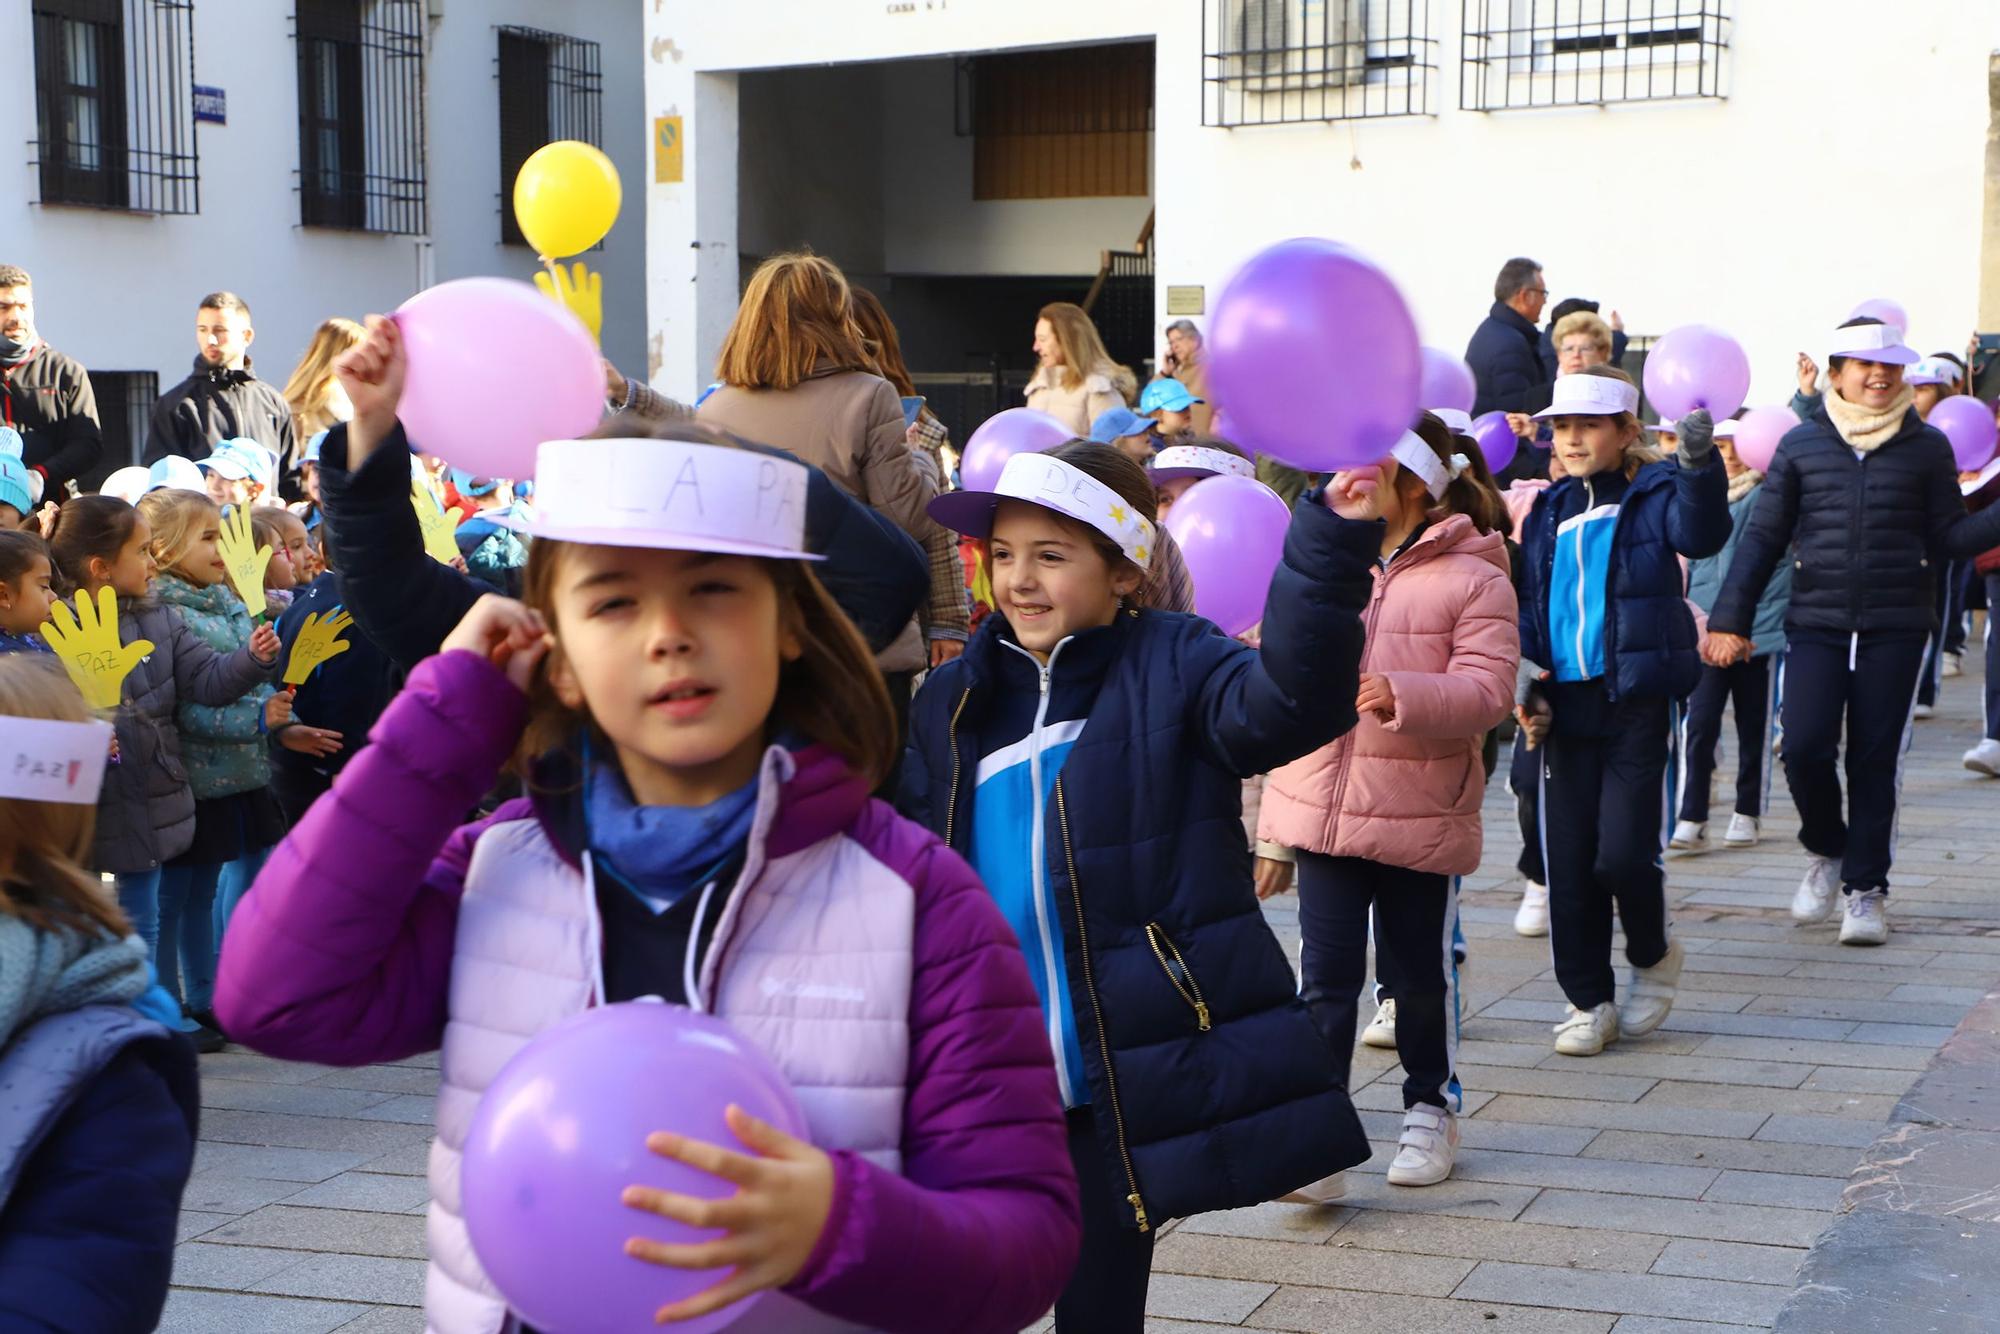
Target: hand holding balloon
[(784, 1192), (1352, 494)]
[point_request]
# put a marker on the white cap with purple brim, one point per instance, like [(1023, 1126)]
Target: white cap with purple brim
[(1726, 429), (1198, 461), (1881, 343), (1591, 396), (669, 495), (45, 759), (1459, 422), (1054, 485), (1665, 426), (1933, 370)]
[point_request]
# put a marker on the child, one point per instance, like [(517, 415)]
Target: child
[(1608, 647), (678, 678), (1087, 755), (308, 509), (17, 482), (493, 554), (1750, 685), (1932, 380), (1178, 467), (146, 813), (1127, 432), (1169, 403), (1388, 816), (1863, 499), (25, 592), (237, 473), (335, 708), (100, 1098), (280, 530), (235, 816)]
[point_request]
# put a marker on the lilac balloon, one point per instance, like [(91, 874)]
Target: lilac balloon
[(1697, 366), (1968, 423), (1883, 309), (1231, 532), (1002, 436), (1316, 355), (495, 368), (1496, 438), (1447, 381), (561, 1132), (1758, 432)]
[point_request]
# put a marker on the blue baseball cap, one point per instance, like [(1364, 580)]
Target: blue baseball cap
[(1167, 394), (1116, 423), (16, 487), (466, 484), (11, 442), (314, 445), (177, 473)]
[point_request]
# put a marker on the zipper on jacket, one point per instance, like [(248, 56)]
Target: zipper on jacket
[(1583, 579), (951, 737), (1097, 1012), (1038, 865), (1346, 740), (1178, 972)]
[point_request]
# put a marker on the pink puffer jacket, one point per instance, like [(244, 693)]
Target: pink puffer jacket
[(1441, 625)]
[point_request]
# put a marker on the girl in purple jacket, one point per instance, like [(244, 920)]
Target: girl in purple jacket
[(700, 728)]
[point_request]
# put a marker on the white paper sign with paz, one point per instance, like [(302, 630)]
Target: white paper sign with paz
[(45, 760)]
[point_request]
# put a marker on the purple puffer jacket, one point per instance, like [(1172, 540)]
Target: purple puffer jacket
[(345, 952)]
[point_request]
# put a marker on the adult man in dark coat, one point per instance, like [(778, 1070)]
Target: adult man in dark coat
[(1505, 351), (44, 395), (222, 399)]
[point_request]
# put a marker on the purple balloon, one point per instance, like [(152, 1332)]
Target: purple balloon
[(1002, 436), (1883, 309), (1316, 356), (1231, 532), (1447, 381), (561, 1132), (466, 396), (1968, 423), (1496, 438), (1697, 366)]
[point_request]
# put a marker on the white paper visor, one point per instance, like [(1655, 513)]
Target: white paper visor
[(1591, 396), (1054, 485), (42, 759)]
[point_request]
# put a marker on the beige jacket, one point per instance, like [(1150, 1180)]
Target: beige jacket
[(1075, 408)]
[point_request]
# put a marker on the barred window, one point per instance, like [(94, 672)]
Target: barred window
[(1540, 53), (124, 409), (114, 104), (551, 87), (361, 118), (1270, 62)]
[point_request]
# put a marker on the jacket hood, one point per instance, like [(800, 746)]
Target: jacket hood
[(48, 972), (175, 591), (1456, 533)]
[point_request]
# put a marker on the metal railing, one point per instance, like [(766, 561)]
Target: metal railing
[(1547, 53), (114, 103), (361, 115), (1276, 62), (551, 87)]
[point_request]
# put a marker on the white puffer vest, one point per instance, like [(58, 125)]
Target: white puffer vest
[(811, 960)]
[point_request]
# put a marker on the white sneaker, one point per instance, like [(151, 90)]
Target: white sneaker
[(1744, 831), (1381, 1030), (1814, 901), (1866, 919), (1430, 1138), (1532, 917), (1926, 711), (1953, 666), (1652, 993), (1689, 836), (1587, 1032), (1324, 1191), (1984, 758)]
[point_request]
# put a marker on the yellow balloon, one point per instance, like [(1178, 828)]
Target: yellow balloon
[(566, 198)]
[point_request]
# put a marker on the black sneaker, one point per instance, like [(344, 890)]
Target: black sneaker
[(207, 1019), (206, 1040)]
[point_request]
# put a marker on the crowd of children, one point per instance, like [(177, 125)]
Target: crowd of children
[(611, 743)]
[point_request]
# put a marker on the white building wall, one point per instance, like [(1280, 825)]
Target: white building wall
[(1847, 162), (118, 290)]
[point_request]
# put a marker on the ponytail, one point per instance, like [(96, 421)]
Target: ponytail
[(87, 527), (1471, 493)]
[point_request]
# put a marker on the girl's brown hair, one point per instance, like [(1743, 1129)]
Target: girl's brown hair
[(1638, 452), (306, 393), (87, 527), (272, 524), (832, 695), (885, 349), (45, 844), (177, 518), (1083, 351), (19, 550), (1471, 493), (796, 318)]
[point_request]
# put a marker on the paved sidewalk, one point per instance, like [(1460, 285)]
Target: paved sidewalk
[(1669, 1186)]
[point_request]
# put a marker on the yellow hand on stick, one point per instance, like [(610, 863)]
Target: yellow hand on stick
[(87, 642), (245, 559), (580, 290), (318, 640), (438, 524)]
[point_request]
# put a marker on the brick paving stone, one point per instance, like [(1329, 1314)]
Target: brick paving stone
[(381, 1079), (1841, 1132), (1641, 1294), (1731, 1260), (308, 1132), (396, 1282), (349, 1232), (1272, 1222), (1643, 1115), (1853, 1079), (1309, 1265), (1222, 1300), (1783, 1189), (1317, 1310), (386, 1320), (250, 1095), (193, 1311), (274, 1162), (1628, 1059), (1676, 1218), (1652, 1324), (1482, 1238), (1850, 1051), (224, 1192), (1730, 1097), (1749, 1155), (193, 1223), (376, 1192), (200, 1264)]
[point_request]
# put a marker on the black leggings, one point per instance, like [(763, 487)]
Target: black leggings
[(1107, 1293)]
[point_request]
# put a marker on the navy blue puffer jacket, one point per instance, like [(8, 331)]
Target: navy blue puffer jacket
[(1233, 1102), (1668, 511)]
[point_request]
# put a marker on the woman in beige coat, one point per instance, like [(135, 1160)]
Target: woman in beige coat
[(1075, 378)]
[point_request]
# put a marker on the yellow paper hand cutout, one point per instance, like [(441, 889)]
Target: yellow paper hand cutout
[(245, 559), (578, 289), (438, 524), (318, 640), (87, 642)]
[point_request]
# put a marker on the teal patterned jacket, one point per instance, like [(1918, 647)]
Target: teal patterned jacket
[(222, 747)]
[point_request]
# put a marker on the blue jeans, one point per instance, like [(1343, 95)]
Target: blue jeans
[(186, 957), (237, 877), (139, 897)]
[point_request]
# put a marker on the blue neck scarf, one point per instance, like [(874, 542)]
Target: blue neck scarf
[(660, 853)]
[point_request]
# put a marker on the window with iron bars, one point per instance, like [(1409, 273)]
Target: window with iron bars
[(1544, 53), (361, 114), (114, 104), (124, 410), (551, 87), (1272, 62)]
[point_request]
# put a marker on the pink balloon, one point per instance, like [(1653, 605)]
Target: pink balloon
[(1316, 355), (495, 369), (1231, 532), (1697, 366), (1883, 309), (1496, 438), (1447, 381), (1968, 423), (561, 1132), (1002, 436), (1758, 432)]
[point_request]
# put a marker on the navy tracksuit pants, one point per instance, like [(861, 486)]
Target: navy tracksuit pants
[(1749, 686)]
